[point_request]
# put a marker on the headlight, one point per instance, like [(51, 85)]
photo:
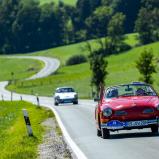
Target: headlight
[(76, 96), (107, 112), (58, 97)]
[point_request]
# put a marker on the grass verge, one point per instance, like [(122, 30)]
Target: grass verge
[(14, 141)]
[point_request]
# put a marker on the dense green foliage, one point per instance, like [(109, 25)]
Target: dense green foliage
[(145, 66), (121, 69), (98, 67), (76, 59), (68, 2), (147, 23), (27, 25), (15, 143)]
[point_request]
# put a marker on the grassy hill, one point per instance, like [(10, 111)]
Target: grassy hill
[(69, 2), (121, 69), (65, 52), (20, 67)]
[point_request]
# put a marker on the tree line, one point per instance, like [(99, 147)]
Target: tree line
[(27, 26)]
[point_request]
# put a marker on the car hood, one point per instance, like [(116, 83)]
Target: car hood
[(128, 102), (66, 95)]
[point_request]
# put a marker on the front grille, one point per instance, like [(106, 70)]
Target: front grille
[(120, 113)]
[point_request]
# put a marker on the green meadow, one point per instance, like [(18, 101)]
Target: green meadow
[(14, 141), (121, 69), (18, 68)]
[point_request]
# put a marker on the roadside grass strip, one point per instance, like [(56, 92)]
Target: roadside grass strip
[(14, 140)]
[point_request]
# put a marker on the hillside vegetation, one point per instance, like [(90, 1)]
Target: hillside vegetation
[(28, 26), (69, 2), (121, 69)]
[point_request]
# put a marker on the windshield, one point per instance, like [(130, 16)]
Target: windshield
[(130, 90), (64, 90)]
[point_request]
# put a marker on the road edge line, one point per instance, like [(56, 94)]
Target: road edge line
[(78, 152)]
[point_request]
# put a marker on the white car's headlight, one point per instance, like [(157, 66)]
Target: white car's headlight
[(107, 112), (58, 97), (76, 96)]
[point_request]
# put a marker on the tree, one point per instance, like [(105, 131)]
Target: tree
[(98, 66), (130, 9), (8, 12), (147, 23), (83, 8), (116, 27), (25, 27), (150, 4), (145, 66), (98, 21), (115, 31)]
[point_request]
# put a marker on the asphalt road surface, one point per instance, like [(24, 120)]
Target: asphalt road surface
[(78, 121)]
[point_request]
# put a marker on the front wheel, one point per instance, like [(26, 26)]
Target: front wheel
[(105, 133), (99, 133), (56, 102), (154, 128), (76, 102)]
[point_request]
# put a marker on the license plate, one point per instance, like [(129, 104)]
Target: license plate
[(137, 123), (67, 101), (115, 124)]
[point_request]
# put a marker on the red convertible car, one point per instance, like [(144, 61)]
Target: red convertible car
[(126, 107)]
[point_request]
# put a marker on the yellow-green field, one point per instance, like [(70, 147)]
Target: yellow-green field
[(14, 141)]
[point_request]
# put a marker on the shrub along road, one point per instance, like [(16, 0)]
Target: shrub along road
[(78, 125)]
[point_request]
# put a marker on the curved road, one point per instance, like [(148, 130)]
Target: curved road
[(78, 125), (50, 65)]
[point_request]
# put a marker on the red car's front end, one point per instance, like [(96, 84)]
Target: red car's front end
[(125, 109)]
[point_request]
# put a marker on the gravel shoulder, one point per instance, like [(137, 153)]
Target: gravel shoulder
[(53, 145)]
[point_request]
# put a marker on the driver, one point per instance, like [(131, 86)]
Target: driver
[(140, 92)]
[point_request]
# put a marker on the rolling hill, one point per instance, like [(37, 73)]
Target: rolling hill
[(79, 76)]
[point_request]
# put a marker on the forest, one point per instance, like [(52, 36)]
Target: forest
[(27, 26)]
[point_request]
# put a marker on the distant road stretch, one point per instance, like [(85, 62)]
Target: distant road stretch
[(50, 65)]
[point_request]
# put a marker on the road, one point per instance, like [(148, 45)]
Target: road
[(78, 125), (50, 65)]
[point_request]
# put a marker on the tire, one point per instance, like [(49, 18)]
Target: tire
[(154, 129), (99, 133), (56, 103), (76, 102), (105, 133)]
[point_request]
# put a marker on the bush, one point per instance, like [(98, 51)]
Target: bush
[(124, 47), (76, 59)]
